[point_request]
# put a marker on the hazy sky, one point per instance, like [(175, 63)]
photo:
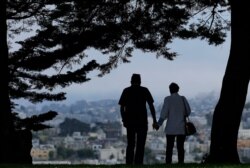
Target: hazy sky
[(198, 68)]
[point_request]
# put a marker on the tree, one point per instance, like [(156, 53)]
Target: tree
[(65, 153), (86, 154), (73, 125), (228, 111), (5, 124), (64, 31), (21, 138), (16, 17)]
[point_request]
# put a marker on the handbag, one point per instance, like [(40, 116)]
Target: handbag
[(190, 129)]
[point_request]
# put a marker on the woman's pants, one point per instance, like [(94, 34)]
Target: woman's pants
[(180, 147)]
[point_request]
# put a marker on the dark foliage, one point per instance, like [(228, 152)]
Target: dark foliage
[(35, 122), (73, 125), (66, 30)]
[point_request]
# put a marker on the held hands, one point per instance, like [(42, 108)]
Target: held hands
[(155, 126)]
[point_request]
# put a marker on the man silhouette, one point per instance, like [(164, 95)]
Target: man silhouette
[(133, 110)]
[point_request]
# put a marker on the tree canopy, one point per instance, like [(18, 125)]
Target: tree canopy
[(66, 30)]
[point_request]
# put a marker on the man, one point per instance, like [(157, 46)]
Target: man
[(133, 103), (175, 109)]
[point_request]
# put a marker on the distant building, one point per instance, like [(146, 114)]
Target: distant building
[(42, 152), (112, 154), (113, 130), (75, 142), (96, 147), (59, 162), (157, 144), (244, 134)]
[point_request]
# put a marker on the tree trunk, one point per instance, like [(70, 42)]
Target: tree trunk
[(228, 111), (6, 128)]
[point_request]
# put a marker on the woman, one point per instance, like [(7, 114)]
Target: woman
[(175, 109)]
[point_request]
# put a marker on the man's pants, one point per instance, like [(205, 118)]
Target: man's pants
[(136, 139), (180, 147)]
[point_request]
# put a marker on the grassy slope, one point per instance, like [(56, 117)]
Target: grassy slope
[(125, 166)]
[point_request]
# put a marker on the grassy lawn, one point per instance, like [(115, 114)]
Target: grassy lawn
[(125, 166)]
